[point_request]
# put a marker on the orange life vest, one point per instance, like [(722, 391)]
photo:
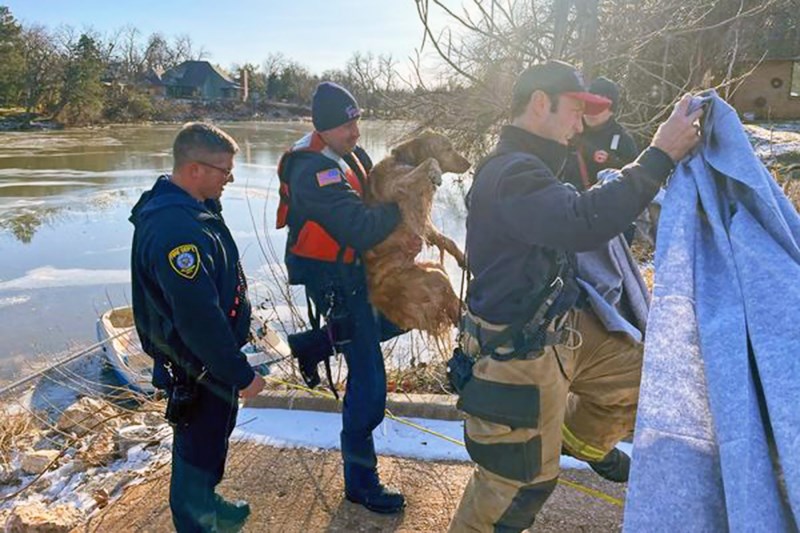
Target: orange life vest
[(313, 241)]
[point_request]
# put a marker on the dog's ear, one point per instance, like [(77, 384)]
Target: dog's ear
[(409, 152)]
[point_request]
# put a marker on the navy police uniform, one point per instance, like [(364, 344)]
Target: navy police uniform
[(330, 226), (523, 228), (192, 315)]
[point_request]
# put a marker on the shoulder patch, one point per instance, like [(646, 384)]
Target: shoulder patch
[(185, 260), (326, 177)]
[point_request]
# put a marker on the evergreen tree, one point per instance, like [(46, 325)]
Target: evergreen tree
[(11, 60), (82, 91)]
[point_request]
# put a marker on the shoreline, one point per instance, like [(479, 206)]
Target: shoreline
[(270, 113), (50, 125), (64, 465), (110, 465)]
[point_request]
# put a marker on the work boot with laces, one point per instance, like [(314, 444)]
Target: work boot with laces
[(378, 499), (363, 486)]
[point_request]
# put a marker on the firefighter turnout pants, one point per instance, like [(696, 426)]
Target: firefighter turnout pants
[(520, 411)]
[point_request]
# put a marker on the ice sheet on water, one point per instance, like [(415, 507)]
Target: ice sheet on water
[(49, 142), (47, 277), (42, 183), (24, 175), (13, 300)]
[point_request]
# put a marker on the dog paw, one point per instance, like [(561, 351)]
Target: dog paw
[(434, 172)]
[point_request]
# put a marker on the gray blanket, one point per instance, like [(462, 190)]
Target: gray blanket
[(718, 427), (615, 288)]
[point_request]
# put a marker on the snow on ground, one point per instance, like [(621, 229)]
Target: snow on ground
[(85, 488), (73, 484), (310, 429), (772, 140)]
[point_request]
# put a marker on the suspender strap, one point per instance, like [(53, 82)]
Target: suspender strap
[(532, 323)]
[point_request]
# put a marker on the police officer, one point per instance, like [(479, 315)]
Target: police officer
[(523, 228), (323, 179), (192, 315)]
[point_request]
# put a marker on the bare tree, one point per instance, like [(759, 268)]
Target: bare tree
[(372, 79), (656, 49), (274, 63), (183, 49), (41, 70), (157, 55), (131, 53)]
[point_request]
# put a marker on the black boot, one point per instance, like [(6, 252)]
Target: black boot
[(231, 515), (378, 499), (615, 466), (362, 486)]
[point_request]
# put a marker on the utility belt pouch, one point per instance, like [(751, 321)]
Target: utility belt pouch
[(513, 405), (180, 403), (183, 392), (459, 369), (310, 348)]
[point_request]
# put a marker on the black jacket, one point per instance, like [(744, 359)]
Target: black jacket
[(189, 292), (520, 214), (606, 146)]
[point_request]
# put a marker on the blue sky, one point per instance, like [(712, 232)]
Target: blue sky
[(320, 34)]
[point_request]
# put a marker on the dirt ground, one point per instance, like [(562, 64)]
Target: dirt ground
[(299, 490)]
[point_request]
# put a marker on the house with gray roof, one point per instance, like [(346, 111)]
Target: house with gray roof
[(199, 80)]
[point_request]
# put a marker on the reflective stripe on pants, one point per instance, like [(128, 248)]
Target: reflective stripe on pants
[(592, 391)]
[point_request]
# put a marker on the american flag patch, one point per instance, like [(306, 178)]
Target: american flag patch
[(326, 177)]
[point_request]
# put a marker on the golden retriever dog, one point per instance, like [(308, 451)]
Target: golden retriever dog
[(414, 295)]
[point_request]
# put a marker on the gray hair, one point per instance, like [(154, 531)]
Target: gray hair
[(196, 138)]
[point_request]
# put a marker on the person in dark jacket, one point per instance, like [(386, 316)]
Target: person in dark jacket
[(524, 305), (323, 178), (603, 143), (192, 315)]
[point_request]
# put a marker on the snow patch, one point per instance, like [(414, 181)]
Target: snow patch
[(315, 430)]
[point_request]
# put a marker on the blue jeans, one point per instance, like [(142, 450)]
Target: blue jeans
[(365, 393), (199, 451)]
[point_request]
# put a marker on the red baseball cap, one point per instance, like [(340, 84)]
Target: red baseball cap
[(558, 77)]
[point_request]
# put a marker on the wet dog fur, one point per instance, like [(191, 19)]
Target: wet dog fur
[(414, 295)]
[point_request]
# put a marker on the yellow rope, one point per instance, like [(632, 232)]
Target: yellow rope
[(577, 486), (423, 428), (592, 492)]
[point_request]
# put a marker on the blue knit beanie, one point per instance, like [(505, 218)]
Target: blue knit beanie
[(332, 106)]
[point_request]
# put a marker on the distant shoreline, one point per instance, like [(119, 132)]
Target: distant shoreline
[(179, 112), (50, 125), (42, 124)]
